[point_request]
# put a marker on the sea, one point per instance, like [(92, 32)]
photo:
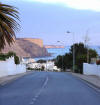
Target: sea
[(61, 51)]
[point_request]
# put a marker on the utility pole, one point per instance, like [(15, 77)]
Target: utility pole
[(62, 52), (73, 53), (68, 32)]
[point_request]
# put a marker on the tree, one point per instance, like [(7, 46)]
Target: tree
[(16, 59), (81, 55), (92, 54), (8, 24), (58, 61), (41, 61), (67, 60), (80, 58), (10, 54)]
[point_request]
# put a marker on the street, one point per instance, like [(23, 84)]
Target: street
[(48, 88)]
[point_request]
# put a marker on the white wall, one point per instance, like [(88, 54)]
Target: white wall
[(9, 67), (91, 69)]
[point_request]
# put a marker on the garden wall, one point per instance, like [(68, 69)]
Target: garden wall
[(91, 69), (9, 67)]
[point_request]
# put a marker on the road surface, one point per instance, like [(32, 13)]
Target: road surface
[(48, 88)]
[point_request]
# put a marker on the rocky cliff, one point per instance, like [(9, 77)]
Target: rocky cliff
[(15, 48), (32, 46), (38, 42), (27, 47)]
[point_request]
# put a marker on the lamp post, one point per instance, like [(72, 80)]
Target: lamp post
[(68, 32), (62, 52), (87, 39)]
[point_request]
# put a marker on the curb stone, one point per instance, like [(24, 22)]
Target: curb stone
[(14, 77), (97, 88)]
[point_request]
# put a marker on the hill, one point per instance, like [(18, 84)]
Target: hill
[(32, 46), (15, 48), (27, 47)]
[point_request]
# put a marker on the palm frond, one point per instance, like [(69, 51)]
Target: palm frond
[(8, 24)]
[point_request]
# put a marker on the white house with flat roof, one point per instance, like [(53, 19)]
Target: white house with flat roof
[(48, 66)]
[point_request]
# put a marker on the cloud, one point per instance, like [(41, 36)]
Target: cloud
[(77, 4)]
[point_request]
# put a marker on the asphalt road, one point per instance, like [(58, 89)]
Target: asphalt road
[(48, 88)]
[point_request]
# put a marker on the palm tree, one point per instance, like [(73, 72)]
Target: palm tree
[(8, 24)]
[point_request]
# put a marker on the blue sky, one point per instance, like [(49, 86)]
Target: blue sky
[(50, 19)]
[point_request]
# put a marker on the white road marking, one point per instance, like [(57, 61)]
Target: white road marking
[(38, 94), (45, 83)]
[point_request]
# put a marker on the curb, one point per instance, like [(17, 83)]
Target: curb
[(14, 78), (91, 85)]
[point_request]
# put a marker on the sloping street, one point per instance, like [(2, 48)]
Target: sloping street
[(48, 88)]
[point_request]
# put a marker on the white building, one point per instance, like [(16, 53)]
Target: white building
[(27, 61), (34, 65), (48, 66), (56, 69)]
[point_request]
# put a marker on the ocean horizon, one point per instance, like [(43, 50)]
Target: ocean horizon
[(62, 51)]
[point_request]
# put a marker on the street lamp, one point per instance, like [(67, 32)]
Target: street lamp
[(68, 32), (62, 52)]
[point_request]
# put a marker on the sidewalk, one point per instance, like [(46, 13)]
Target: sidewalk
[(93, 80), (7, 79)]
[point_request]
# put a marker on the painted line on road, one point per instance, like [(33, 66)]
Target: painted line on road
[(40, 91), (45, 83)]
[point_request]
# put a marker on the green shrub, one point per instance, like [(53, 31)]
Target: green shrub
[(2, 57), (30, 68), (16, 59), (10, 54), (41, 61)]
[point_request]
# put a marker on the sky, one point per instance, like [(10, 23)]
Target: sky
[(51, 19)]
